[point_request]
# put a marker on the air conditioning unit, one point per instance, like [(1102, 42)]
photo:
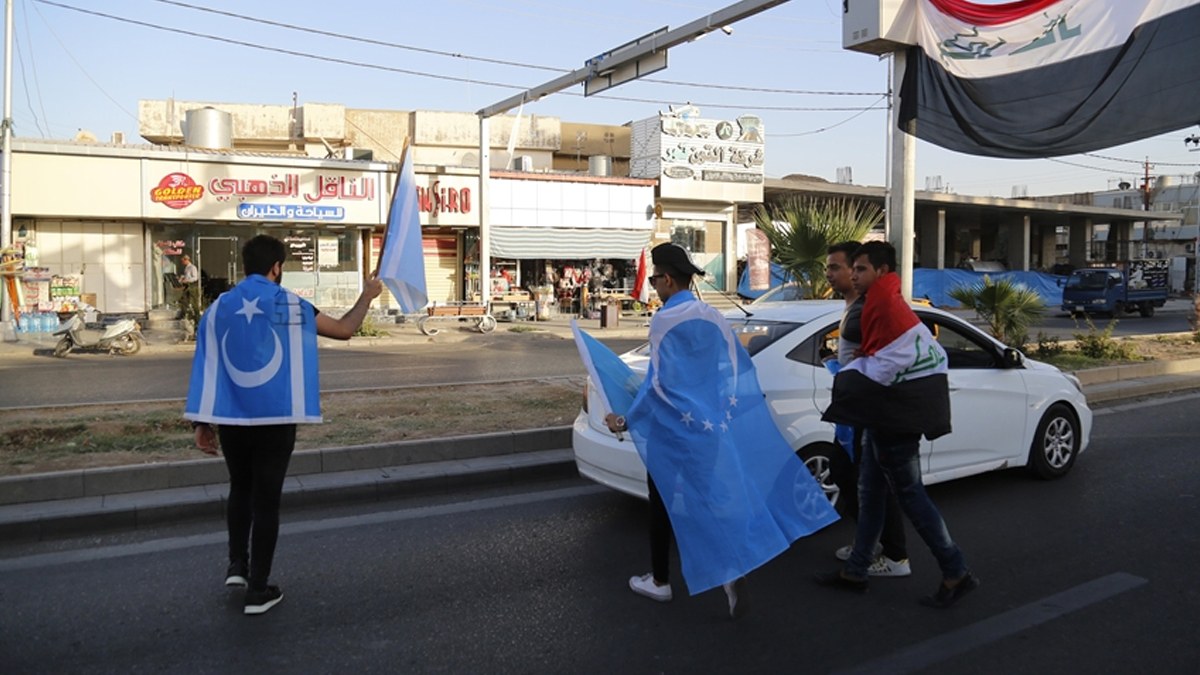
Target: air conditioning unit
[(1190, 248), (522, 163), (358, 153), (118, 137)]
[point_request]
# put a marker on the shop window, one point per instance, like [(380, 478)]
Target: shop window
[(690, 238)]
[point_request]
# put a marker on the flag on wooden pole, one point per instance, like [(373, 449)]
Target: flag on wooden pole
[(401, 259)]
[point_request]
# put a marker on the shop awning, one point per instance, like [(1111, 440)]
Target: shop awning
[(525, 243)]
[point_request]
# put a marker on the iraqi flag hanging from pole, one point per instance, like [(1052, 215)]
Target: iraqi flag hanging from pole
[(641, 285), (401, 259), (1041, 78)]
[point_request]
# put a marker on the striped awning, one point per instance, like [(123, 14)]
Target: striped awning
[(525, 243)]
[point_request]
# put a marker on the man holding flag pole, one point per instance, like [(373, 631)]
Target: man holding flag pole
[(255, 377)]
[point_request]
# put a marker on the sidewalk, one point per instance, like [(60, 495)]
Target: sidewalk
[(128, 498)]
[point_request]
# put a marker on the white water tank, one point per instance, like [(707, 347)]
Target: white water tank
[(208, 128), (600, 165)]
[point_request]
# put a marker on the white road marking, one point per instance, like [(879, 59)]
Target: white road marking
[(955, 643)]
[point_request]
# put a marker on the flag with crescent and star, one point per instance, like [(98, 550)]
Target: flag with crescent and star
[(256, 358), (736, 493)]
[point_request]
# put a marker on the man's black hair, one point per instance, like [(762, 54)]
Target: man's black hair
[(846, 247), (879, 253), (682, 279), (261, 253)]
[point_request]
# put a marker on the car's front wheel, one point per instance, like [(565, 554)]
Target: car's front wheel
[(824, 462), (1056, 443)]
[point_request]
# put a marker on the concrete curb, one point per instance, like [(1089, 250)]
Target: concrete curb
[(90, 515), (117, 480)]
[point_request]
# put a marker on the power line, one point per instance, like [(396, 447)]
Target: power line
[(403, 71), (25, 86), (482, 59), (873, 106), (37, 82), (80, 66), (1135, 161)]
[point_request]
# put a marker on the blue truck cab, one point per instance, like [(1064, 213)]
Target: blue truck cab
[(1123, 287)]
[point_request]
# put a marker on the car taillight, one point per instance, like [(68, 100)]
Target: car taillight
[(585, 397)]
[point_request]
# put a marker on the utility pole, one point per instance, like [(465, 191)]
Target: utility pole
[(6, 149)]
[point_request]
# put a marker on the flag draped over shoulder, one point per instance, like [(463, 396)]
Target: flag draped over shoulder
[(1040, 78), (256, 358), (613, 379), (900, 384), (402, 262), (734, 489)]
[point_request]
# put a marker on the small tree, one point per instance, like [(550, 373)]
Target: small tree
[(800, 230), (1008, 308)]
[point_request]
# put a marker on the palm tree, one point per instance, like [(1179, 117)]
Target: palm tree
[(1008, 308), (801, 229)]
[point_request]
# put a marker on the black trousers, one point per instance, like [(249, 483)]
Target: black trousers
[(893, 539), (660, 536), (257, 459)]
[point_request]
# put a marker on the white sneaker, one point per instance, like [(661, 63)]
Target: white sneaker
[(886, 567), (739, 597), (844, 552), (644, 585)]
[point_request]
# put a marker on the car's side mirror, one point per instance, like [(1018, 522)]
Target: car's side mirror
[(1013, 358)]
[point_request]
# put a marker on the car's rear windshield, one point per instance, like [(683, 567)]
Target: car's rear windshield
[(754, 335)]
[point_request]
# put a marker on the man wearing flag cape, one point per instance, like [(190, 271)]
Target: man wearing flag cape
[(897, 390), (254, 376), (721, 477)]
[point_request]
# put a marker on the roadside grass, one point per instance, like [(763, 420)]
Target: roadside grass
[(58, 439)]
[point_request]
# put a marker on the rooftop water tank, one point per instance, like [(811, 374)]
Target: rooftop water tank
[(208, 128), (600, 165)]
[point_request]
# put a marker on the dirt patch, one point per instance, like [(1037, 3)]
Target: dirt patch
[(59, 439)]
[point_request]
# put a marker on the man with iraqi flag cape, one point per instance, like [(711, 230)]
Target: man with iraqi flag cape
[(254, 376), (897, 389), (720, 475)]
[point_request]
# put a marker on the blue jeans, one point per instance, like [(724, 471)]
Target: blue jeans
[(895, 459)]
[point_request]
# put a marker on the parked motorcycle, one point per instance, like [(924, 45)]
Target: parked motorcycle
[(123, 337)]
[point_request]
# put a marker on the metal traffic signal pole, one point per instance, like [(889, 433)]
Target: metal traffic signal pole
[(6, 149), (612, 68)]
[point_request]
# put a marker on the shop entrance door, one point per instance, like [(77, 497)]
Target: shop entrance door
[(217, 259)]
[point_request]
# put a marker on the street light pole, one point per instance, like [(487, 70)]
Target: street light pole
[(6, 149)]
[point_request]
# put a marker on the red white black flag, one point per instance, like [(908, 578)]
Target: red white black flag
[(1040, 78)]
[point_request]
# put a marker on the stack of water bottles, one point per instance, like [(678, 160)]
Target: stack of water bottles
[(37, 322)]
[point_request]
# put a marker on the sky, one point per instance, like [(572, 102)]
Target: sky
[(823, 107)]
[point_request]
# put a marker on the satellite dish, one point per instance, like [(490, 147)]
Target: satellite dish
[(1124, 185)]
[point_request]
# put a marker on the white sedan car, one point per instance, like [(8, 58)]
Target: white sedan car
[(1007, 411)]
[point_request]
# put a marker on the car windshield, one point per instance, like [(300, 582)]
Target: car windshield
[(785, 293), (755, 336), (1087, 280)]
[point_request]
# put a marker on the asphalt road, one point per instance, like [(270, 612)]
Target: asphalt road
[(1093, 573), (98, 378)]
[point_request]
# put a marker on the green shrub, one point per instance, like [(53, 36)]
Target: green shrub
[(1101, 345), (369, 329), (1048, 346)]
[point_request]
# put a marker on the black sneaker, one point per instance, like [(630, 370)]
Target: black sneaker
[(944, 597), (236, 575), (258, 602), (836, 580)]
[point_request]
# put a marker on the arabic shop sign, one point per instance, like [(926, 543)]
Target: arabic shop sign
[(290, 212), (288, 185), (176, 191), (686, 153)]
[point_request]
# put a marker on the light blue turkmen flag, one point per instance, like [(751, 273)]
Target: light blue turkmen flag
[(402, 261), (256, 358), (735, 492), (613, 379)]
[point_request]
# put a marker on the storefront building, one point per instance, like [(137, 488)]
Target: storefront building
[(705, 168), (114, 222)]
